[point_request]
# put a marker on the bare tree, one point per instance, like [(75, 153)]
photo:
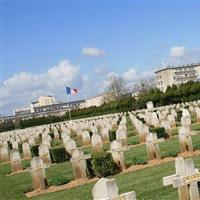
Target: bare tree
[(144, 85), (116, 86)]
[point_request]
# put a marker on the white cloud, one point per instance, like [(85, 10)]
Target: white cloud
[(102, 69), (93, 52), (183, 56), (131, 74), (177, 51), (23, 87)]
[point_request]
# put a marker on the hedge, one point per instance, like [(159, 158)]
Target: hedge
[(59, 154), (189, 91), (160, 131), (35, 150), (103, 164)]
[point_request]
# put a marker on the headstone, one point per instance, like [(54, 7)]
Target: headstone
[(106, 189), (38, 174), (122, 136), (185, 179), (97, 144), (154, 120), (15, 161), (44, 154), (86, 138), (197, 110), (105, 134), (15, 145), (4, 155), (185, 139), (150, 106), (118, 153), (171, 120), (143, 131), (26, 151), (70, 146), (152, 146), (31, 141), (79, 165)]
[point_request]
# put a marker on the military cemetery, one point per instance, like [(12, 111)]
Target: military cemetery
[(58, 158), (100, 100)]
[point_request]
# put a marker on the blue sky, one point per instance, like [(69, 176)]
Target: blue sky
[(131, 39)]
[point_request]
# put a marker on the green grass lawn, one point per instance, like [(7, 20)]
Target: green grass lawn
[(147, 183)]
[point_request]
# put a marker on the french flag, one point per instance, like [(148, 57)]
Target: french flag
[(71, 91)]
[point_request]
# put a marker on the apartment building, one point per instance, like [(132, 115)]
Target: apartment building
[(176, 75)]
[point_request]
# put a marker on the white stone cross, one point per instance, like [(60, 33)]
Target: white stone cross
[(185, 179), (117, 151), (152, 146), (79, 165), (106, 189)]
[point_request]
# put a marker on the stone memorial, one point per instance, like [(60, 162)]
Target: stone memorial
[(38, 174), (15, 161), (26, 151), (70, 146), (152, 146), (185, 179), (117, 152), (4, 155), (44, 154), (185, 139), (86, 138), (79, 165), (106, 189), (122, 136), (97, 144)]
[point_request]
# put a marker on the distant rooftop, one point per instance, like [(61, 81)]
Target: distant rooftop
[(177, 67)]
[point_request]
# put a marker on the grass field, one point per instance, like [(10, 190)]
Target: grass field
[(147, 183)]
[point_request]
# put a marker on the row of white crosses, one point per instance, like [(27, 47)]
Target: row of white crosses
[(151, 140), (78, 159), (185, 132), (185, 179)]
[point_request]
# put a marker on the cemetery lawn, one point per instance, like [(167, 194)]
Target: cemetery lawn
[(147, 183)]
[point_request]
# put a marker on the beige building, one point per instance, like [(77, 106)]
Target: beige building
[(43, 101), (99, 100), (176, 75)]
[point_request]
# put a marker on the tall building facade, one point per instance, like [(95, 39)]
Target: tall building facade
[(176, 75)]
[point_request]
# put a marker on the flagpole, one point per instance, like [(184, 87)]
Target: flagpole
[(69, 109)]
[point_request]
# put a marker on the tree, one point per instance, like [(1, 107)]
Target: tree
[(143, 86), (116, 85)]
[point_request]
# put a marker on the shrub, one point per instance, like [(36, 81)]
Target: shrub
[(59, 154), (58, 180), (139, 161), (35, 150), (197, 146), (55, 143), (90, 171), (161, 133), (170, 154), (103, 164), (112, 135)]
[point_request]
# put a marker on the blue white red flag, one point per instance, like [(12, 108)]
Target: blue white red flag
[(71, 91)]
